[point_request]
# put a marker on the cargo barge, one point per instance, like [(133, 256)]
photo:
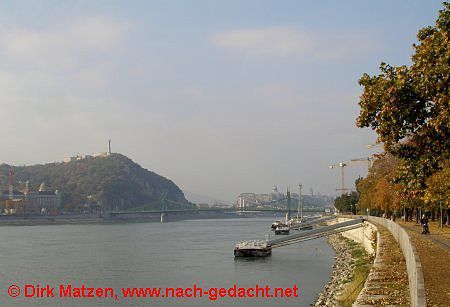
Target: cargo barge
[(252, 248)]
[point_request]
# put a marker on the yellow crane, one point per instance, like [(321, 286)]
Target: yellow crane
[(352, 162)]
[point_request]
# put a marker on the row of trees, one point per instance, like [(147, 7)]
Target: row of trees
[(347, 202), (409, 108)]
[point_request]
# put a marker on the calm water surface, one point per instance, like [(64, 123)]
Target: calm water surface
[(174, 254)]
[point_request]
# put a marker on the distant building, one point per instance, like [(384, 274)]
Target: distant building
[(102, 154), (72, 158), (203, 206), (10, 203), (41, 202)]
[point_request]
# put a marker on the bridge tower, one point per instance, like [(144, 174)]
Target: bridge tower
[(300, 204), (241, 204), (288, 204), (11, 184), (163, 206)]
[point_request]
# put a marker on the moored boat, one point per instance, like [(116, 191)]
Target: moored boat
[(282, 230), (299, 224), (276, 224), (252, 248)]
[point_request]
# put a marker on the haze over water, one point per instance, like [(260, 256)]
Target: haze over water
[(174, 254)]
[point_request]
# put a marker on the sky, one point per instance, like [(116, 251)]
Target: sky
[(222, 97)]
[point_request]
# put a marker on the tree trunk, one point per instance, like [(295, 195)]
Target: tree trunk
[(408, 214)]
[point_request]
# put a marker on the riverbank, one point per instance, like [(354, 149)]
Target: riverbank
[(8, 220), (350, 270)]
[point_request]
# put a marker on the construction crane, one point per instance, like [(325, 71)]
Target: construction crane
[(367, 160), (342, 165), (370, 146)]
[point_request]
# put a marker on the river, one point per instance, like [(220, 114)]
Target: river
[(173, 254)]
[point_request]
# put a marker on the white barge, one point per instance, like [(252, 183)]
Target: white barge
[(252, 248)]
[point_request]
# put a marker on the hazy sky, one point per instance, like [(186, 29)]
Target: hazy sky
[(222, 97)]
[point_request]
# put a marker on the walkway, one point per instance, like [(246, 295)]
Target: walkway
[(314, 233), (434, 253), (387, 283)]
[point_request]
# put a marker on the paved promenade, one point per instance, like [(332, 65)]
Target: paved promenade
[(387, 283), (434, 253)]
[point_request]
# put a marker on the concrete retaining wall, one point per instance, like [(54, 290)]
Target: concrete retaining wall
[(365, 236), (413, 265)]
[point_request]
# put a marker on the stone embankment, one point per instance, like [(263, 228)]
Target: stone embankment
[(342, 271), (387, 281)]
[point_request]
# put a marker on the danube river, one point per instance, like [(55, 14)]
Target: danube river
[(174, 254)]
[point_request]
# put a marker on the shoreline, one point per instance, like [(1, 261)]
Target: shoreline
[(95, 219), (343, 268)]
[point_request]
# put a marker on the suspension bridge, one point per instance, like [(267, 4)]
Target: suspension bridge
[(165, 205)]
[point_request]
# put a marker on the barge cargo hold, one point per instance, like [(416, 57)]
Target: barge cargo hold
[(252, 248)]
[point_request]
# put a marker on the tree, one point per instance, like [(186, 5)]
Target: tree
[(438, 188), (346, 202), (437, 194), (409, 107), (378, 192)]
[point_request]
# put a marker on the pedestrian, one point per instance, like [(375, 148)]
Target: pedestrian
[(424, 222)]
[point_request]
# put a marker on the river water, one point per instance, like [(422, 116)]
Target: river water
[(173, 254)]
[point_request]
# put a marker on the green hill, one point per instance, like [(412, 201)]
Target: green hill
[(115, 181)]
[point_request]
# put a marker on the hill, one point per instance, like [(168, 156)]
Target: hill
[(114, 181)]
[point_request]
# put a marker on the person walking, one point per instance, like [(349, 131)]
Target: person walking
[(424, 222)]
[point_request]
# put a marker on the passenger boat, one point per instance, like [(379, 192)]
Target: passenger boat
[(252, 248), (276, 224)]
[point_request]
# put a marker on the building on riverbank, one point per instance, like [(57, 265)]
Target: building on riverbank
[(41, 202)]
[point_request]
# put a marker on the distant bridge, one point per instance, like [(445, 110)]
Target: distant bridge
[(212, 210)]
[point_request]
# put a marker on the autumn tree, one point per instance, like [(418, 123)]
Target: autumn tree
[(408, 107), (378, 191), (437, 194)]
